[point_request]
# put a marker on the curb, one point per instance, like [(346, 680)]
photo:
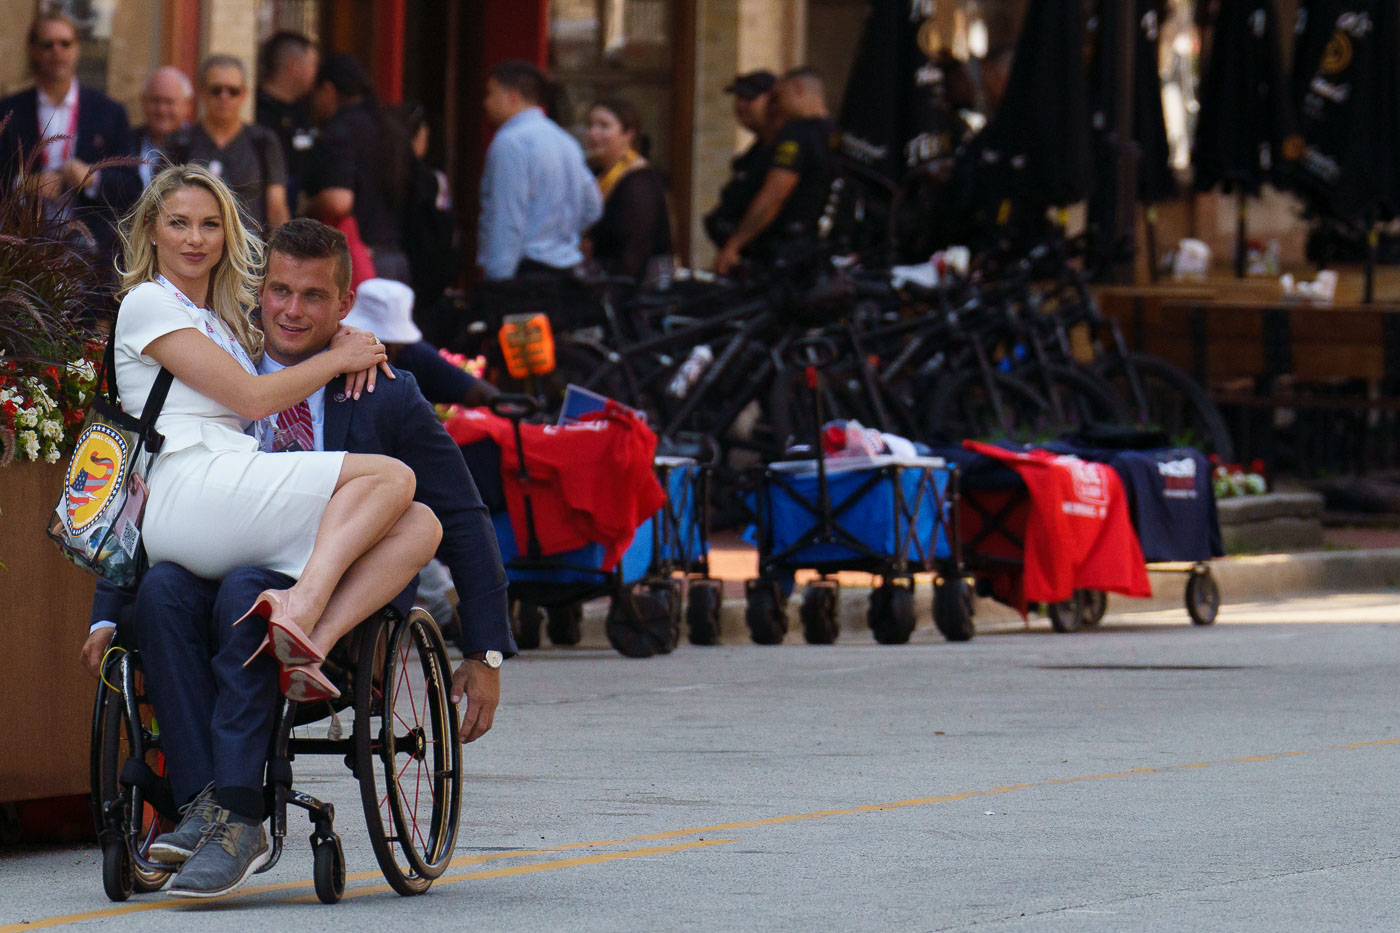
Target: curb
[(1241, 579)]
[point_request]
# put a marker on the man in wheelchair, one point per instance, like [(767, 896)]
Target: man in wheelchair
[(216, 716)]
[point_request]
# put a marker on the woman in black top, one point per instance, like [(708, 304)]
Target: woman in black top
[(633, 237)]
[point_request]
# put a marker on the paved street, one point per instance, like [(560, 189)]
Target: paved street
[(1149, 776)]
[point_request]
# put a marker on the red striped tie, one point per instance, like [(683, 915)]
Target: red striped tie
[(294, 430)]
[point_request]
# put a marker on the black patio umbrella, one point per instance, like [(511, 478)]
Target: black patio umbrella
[(1155, 181), (1244, 115), (1037, 148), (1345, 157), (890, 105), (898, 125)]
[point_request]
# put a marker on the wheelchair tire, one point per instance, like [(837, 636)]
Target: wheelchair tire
[(564, 624), (407, 756), (329, 876), (118, 880), (110, 748), (702, 612)]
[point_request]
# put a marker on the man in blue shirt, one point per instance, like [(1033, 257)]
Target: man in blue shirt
[(537, 194)]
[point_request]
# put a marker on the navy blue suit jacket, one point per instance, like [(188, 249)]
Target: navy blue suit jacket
[(103, 133), (397, 421)]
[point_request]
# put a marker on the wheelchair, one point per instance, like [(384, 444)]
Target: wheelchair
[(393, 674)]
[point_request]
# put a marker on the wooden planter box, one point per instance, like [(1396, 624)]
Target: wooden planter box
[(46, 602)]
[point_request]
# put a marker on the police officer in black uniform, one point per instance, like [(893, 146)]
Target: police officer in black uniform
[(753, 93), (798, 181)]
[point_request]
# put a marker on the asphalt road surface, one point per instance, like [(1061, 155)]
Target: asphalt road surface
[(1147, 776)]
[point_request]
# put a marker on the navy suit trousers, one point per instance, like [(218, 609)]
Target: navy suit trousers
[(216, 716)]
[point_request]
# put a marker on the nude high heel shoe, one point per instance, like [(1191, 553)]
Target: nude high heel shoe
[(285, 640), (305, 683)]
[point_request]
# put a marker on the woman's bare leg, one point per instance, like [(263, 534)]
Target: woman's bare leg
[(371, 495), (379, 575)]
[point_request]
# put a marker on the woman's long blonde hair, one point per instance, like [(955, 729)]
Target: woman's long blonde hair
[(233, 283)]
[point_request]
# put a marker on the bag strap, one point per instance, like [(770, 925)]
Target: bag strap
[(155, 401)]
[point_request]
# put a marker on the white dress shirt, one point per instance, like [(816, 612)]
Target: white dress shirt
[(316, 401), (55, 119)]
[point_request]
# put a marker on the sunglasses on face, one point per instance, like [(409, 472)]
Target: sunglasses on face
[(224, 90), (51, 44)]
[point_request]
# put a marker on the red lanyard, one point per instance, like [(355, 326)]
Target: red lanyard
[(71, 133)]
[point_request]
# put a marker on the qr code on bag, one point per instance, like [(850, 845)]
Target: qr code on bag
[(129, 538)]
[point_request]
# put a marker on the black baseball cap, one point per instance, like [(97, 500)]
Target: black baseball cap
[(749, 86)]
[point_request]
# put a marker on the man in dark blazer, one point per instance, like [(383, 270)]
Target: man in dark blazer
[(216, 715), (96, 127)]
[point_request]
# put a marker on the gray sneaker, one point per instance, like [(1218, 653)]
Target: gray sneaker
[(229, 854), (179, 844)]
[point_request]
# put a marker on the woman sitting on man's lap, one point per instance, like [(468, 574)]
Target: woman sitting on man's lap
[(344, 526)]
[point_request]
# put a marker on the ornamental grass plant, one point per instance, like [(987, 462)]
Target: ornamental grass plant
[(50, 319)]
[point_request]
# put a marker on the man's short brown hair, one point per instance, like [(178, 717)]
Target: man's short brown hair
[(52, 16), (304, 238)]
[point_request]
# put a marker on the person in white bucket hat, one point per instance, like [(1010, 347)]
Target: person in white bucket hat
[(385, 308)]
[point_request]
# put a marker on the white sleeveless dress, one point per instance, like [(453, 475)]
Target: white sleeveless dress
[(216, 501)]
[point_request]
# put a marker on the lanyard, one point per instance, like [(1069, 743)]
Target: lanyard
[(71, 134), (213, 326)]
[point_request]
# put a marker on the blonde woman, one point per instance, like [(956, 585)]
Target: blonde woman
[(344, 526)]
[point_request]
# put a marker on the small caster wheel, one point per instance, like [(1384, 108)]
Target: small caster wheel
[(1067, 616), (702, 612), (764, 612), (891, 613), (639, 624), (330, 868), (1202, 597), (670, 593), (525, 620), (819, 623), (1095, 606), (952, 609), (118, 877), (564, 624)]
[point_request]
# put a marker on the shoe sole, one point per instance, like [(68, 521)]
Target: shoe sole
[(168, 855), (258, 861)]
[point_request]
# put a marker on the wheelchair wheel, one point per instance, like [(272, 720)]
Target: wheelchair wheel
[(126, 813), (407, 757)]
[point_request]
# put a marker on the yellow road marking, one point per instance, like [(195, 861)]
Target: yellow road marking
[(536, 867), (556, 864)]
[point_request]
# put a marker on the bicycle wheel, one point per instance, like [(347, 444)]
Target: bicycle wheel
[(963, 407), (407, 757), (1081, 397), (1171, 402), (125, 818)]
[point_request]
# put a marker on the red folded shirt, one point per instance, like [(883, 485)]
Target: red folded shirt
[(1074, 531), (592, 481)]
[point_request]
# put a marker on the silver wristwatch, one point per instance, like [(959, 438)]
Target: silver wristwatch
[(492, 659)]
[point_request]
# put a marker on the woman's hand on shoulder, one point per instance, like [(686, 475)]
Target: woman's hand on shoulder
[(361, 356)]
